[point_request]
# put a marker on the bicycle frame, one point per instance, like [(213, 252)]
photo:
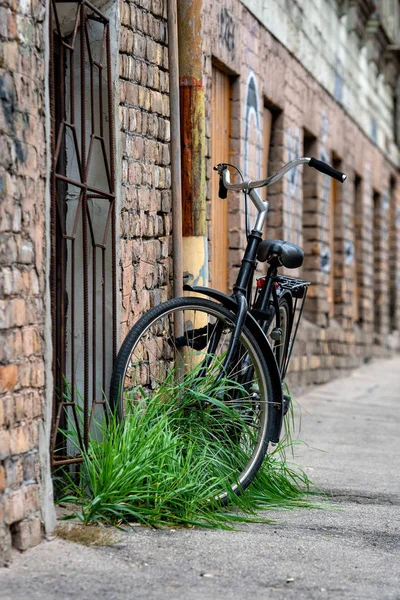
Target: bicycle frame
[(258, 317), (243, 285)]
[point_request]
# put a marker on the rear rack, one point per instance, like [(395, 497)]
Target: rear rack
[(298, 288)]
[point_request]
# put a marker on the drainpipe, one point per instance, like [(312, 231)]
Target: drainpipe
[(195, 259), (176, 181)]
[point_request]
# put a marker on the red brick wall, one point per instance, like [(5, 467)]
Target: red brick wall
[(22, 270), (237, 43), (146, 176)]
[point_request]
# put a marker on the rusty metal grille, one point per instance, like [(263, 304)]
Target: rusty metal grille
[(83, 259)]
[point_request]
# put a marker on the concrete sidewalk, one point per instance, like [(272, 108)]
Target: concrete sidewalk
[(352, 427)]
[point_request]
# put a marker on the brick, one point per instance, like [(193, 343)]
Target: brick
[(29, 464), (25, 253), (19, 440), (156, 102), (132, 94), (125, 13), (144, 98), (6, 281), (4, 443), (139, 45), (32, 502), (14, 473), (14, 509), (157, 7), (20, 401), (27, 533), (12, 313), (126, 41), (2, 479), (8, 377), (8, 247)]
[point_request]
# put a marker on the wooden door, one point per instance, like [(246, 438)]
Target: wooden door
[(220, 142)]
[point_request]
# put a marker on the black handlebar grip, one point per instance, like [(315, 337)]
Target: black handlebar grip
[(327, 169), (222, 192)]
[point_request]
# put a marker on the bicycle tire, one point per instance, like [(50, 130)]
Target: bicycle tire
[(156, 320)]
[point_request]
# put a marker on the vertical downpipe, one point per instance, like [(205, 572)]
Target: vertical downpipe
[(176, 175), (195, 261)]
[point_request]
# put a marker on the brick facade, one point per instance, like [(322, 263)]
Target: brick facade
[(309, 118), (362, 244), (145, 215), (22, 271)]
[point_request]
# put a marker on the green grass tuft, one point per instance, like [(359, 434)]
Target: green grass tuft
[(173, 453)]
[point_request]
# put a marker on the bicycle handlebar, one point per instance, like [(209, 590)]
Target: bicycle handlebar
[(327, 169), (247, 186)]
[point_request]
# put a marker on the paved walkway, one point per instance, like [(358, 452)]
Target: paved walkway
[(352, 427)]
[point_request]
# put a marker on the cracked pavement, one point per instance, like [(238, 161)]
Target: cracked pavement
[(348, 550)]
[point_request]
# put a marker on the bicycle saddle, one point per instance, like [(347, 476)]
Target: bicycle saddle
[(279, 253)]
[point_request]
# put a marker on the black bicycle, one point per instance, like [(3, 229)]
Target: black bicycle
[(245, 339)]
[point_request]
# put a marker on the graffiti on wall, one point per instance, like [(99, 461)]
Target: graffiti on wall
[(252, 137), (293, 227), (325, 254), (348, 252), (252, 125), (398, 216), (349, 247), (385, 210), (226, 31), (385, 201)]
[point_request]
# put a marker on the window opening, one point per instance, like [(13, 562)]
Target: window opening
[(334, 294), (310, 230), (83, 244), (394, 256), (358, 255), (377, 262)]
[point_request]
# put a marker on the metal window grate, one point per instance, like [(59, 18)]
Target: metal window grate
[(83, 236)]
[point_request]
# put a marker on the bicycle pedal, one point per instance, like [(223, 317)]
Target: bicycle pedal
[(276, 334), (286, 403)]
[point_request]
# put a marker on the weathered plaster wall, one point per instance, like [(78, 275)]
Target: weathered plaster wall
[(322, 35)]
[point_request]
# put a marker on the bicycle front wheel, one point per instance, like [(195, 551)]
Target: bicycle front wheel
[(174, 356)]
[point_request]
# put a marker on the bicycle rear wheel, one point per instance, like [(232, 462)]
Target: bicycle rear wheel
[(175, 353)]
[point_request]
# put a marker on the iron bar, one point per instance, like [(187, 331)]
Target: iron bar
[(103, 315), (112, 166), (73, 320), (84, 235), (94, 310), (53, 211), (84, 186)]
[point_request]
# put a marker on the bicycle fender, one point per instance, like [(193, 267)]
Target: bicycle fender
[(288, 296), (262, 341)]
